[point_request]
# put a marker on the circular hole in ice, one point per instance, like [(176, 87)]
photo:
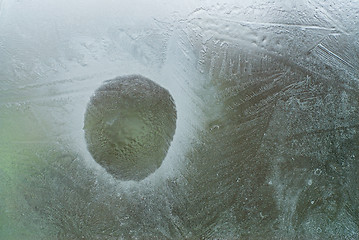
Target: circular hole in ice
[(129, 125)]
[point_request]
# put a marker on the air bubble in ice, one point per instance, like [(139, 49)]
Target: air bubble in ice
[(317, 172), (310, 182), (129, 124)]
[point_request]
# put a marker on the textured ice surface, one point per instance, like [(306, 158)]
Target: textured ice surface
[(129, 125), (266, 142)]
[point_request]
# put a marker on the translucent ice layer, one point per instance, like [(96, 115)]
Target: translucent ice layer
[(266, 139)]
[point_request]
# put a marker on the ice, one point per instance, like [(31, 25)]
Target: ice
[(266, 138), (129, 125)]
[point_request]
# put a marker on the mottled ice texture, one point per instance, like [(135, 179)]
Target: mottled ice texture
[(129, 125), (266, 139)]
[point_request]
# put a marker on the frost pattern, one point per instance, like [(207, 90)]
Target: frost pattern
[(267, 119)]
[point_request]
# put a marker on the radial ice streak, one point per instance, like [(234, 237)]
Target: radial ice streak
[(129, 124)]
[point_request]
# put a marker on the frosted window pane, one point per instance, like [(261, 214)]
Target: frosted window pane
[(263, 97)]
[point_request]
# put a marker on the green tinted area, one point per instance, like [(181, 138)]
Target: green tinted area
[(22, 143)]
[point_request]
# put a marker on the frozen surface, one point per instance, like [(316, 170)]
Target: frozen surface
[(266, 141), (129, 125)]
